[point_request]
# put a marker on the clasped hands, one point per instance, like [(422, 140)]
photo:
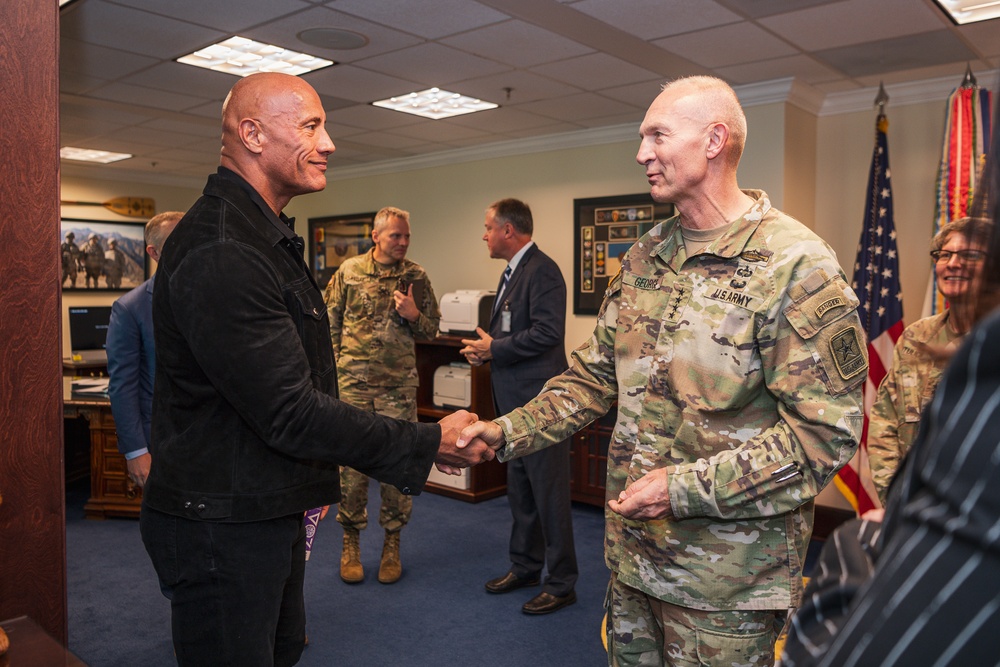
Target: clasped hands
[(465, 441), (477, 350)]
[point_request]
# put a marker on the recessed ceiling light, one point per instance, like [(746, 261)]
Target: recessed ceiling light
[(242, 57), (91, 155), (435, 103), (970, 11)]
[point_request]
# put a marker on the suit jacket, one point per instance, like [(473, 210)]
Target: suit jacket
[(532, 352), (131, 364)]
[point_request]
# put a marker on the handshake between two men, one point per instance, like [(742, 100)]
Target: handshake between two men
[(466, 441)]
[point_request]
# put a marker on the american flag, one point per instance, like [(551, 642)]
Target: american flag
[(876, 282)]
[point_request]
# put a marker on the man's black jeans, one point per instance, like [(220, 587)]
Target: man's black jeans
[(238, 602)]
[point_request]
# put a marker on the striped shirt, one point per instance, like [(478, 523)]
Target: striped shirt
[(925, 592)]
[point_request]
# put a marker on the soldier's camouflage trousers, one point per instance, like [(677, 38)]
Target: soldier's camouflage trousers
[(396, 507), (642, 631)]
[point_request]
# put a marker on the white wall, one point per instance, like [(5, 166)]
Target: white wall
[(844, 152)]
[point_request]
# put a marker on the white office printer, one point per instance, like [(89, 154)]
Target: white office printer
[(466, 309), (453, 385)]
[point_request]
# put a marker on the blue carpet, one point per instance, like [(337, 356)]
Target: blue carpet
[(437, 614)]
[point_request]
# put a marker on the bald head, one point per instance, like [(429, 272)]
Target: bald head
[(274, 135), (714, 101)]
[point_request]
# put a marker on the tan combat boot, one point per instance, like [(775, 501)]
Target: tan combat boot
[(390, 569), (351, 570)]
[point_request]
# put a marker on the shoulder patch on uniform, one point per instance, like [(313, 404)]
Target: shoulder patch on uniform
[(830, 304), (845, 346)]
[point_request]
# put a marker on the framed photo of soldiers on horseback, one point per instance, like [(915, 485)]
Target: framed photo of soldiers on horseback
[(102, 256)]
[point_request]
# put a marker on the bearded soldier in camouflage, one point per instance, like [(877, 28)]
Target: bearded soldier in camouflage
[(378, 304), (731, 342)]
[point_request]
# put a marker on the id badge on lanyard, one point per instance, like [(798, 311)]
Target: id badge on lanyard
[(505, 317)]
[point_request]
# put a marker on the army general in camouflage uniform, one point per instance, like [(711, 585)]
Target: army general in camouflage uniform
[(731, 342), (378, 304), (922, 352)]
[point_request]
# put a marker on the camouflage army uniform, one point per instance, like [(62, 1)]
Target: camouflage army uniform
[(376, 364), (114, 267), (906, 389), (93, 261), (739, 369), (70, 262)]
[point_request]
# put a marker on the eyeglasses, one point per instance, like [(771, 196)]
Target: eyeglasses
[(944, 256)]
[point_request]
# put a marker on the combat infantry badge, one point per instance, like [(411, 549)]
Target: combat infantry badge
[(846, 348)]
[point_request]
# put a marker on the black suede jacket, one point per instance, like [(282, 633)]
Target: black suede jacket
[(246, 424)]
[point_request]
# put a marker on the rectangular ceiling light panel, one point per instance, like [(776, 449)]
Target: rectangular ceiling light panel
[(435, 104), (970, 11), (242, 57), (91, 155)]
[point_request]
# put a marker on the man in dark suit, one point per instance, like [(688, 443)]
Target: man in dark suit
[(525, 349), (131, 358)]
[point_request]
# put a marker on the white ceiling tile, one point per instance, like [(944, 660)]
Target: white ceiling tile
[(594, 71), (387, 139), (575, 107), (80, 58), (524, 87), (853, 22), (155, 99), (284, 32), (650, 19), (897, 54), (440, 130), (135, 31), (501, 120), (801, 67), (184, 79), (358, 84), (226, 15), (543, 130), (432, 18), (638, 94), (984, 37), (518, 43), (727, 45), (372, 118), (432, 65)]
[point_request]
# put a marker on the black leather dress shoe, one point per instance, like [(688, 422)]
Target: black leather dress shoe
[(546, 603), (509, 582)]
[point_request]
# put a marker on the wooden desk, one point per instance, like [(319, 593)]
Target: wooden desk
[(30, 645), (84, 368), (112, 493)]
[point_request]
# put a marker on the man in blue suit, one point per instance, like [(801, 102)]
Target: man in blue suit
[(131, 358), (525, 349)]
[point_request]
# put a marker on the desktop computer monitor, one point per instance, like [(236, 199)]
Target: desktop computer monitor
[(88, 332)]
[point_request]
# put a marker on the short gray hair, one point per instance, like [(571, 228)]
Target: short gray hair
[(387, 213), (153, 234)]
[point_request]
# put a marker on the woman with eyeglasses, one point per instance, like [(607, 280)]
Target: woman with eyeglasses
[(922, 352)]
